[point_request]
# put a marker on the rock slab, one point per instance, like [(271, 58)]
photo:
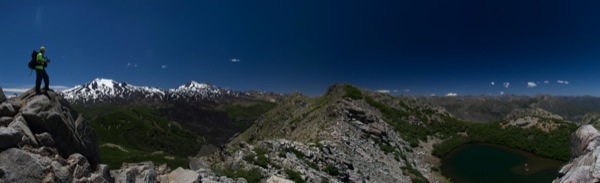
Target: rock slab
[(585, 162)]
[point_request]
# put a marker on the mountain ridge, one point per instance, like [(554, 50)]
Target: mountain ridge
[(107, 90)]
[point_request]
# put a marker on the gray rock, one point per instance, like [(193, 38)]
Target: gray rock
[(102, 175), (2, 97), (135, 172), (585, 162), (71, 135), (45, 139), (275, 179), (5, 121), (21, 125), (224, 179), (9, 137), (242, 180), (7, 109), (22, 166), (182, 175), (61, 173), (79, 165)]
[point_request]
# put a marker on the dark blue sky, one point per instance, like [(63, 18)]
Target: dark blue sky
[(423, 47)]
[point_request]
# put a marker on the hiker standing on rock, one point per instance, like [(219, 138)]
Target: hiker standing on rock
[(40, 71)]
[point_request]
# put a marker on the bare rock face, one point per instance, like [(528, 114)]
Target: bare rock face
[(585, 162), (9, 137), (21, 166), (68, 130), (7, 109)]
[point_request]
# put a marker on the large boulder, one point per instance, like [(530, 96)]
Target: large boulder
[(21, 125), (17, 165), (183, 175), (68, 129), (9, 137), (7, 109), (585, 157)]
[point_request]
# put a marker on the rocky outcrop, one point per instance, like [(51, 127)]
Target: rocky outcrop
[(2, 96), (52, 115), (585, 157), (42, 139)]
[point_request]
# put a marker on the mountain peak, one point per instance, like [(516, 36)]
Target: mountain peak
[(194, 84), (104, 81)]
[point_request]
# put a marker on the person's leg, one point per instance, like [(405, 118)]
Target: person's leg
[(38, 81), (46, 81)]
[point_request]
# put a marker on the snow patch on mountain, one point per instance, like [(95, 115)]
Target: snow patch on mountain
[(102, 89)]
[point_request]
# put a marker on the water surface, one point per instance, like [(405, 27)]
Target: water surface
[(488, 163)]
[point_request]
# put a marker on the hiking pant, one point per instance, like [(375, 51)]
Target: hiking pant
[(39, 74)]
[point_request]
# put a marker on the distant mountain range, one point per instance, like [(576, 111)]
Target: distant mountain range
[(108, 90)]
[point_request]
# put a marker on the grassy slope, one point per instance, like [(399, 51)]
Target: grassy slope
[(142, 134)]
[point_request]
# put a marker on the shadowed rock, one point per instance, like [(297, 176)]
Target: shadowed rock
[(7, 109), (9, 137), (2, 97), (70, 133), (4, 121)]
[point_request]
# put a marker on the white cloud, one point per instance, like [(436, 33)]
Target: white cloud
[(131, 65), (546, 82), (235, 60), (395, 91), (59, 87), (15, 90), (562, 82), (493, 83), (452, 94), (383, 91), (163, 66), (23, 90), (506, 84), (501, 92), (531, 84), (433, 94), (407, 90)]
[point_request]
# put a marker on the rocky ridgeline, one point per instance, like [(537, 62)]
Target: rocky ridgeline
[(354, 144), (43, 140), (585, 157)]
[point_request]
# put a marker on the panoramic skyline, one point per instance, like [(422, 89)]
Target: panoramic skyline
[(463, 47)]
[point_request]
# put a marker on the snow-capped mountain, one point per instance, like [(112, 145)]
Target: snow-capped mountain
[(108, 90), (196, 90), (101, 89)]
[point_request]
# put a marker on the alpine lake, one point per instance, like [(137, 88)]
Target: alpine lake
[(490, 163)]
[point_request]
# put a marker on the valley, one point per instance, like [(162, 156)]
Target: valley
[(348, 134)]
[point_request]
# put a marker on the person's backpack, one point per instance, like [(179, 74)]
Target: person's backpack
[(33, 62)]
